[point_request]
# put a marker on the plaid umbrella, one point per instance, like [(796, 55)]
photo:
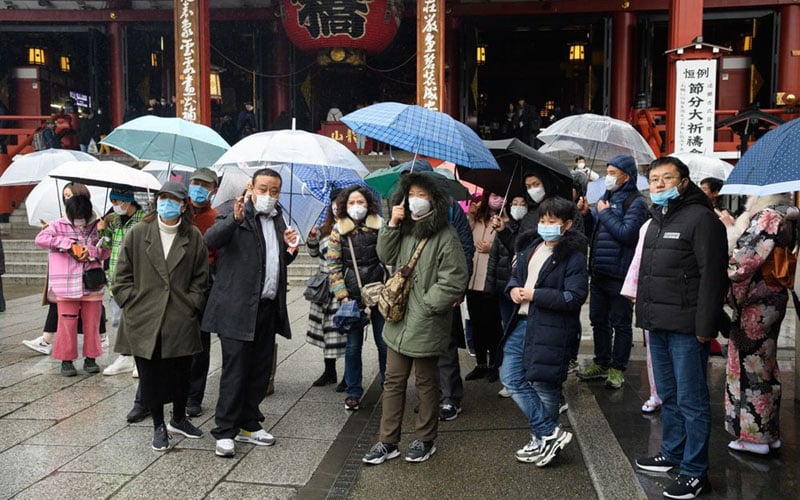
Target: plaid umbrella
[(770, 166), (422, 131)]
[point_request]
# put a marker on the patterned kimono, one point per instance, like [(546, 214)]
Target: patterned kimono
[(752, 388)]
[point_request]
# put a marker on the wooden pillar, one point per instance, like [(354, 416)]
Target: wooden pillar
[(685, 24), (430, 54), (193, 61), (789, 50), (622, 62), (453, 68), (278, 64), (116, 75)]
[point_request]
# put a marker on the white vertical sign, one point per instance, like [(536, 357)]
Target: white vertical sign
[(695, 103)]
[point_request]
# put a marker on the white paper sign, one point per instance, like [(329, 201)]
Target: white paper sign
[(695, 103)]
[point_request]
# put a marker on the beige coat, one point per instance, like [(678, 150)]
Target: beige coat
[(160, 297)]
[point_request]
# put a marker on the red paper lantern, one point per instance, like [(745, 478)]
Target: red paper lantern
[(367, 25)]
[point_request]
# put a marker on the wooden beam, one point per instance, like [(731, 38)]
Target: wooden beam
[(41, 16), (593, 6)]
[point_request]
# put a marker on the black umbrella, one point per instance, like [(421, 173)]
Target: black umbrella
[(517, 159)]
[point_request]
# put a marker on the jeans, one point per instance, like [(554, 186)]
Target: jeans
[(538, 401), (608, 309), (352, 355), (680, 364)]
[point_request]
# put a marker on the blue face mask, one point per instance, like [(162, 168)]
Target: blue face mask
[(168, 209), (198, 194), (549, 232), (663, 197)]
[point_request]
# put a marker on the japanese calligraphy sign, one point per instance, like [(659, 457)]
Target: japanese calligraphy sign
[(695, 103), (430, 54), (187, 60)]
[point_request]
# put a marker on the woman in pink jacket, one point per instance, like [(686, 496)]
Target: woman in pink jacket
[(73, 245)]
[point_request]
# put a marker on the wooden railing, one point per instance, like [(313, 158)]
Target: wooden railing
[(19, 139)]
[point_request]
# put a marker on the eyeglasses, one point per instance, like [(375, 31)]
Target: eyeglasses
[(666, 179)]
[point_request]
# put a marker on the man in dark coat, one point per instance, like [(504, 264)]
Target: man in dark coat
[(247, 307), (682, 285), (614, 228)]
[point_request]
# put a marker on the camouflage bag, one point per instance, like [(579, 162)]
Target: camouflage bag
[(393, 300)]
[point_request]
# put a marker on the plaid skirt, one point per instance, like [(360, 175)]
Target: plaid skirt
[(321, 332)]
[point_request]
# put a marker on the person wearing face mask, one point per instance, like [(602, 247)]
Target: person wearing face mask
[(356, 233), (160, 283), (74, 248), (439, 279), (549, 285), (614, 228), (247, 307), (681, 288), (580, 166), (498, 269)]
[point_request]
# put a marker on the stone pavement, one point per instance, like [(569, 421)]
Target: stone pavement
[(67, 437)]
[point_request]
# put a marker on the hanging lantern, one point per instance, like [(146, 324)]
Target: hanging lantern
[(340, 29)]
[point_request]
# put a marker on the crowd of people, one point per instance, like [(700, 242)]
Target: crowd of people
[(525, 266)]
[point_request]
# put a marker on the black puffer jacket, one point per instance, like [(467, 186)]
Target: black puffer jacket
[(682, 277), (498, 270), (364, 237)]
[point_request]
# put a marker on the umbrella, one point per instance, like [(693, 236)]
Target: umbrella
[(596, 189), (384, 181), (43, 204), (421, 131), (33, 167), (108, 174), (306, 212), (515, 159), (173, 140), (702, 166), (770, 166), (164, 171), (597, 137)]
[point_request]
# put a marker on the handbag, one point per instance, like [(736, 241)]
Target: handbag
[(94, 278), (369, 292), (393, 300), (317, 290)]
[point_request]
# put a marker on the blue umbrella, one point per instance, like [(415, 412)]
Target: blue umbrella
[(172, 140), (770, 166), (422, 131)]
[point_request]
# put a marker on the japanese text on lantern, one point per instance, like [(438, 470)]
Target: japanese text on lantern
[(186, 60), (430, 54), (325, 18), (695, 103)]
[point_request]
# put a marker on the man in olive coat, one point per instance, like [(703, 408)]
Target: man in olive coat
[(247, 307)]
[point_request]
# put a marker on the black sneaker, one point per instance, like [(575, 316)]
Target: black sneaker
[(185, 428), (553, 444), (419, 451), (448, 412), (137, 414), (656, 463), (193, 410), (324, 379), (380, 453), (90, 366), (477, 373), (160, 438), (686, 487), (351, 404), (492, 374), (341, 386), (68, 369)]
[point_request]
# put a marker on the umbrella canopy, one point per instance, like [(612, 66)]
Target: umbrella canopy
[(516, 159), (33, 167), (421, 131), (384, 181), (702, 166), (291, 146), (164, 171), (173, 140), (770, 166), (596, 189), (108, 174), (43, 203), (597, 137)]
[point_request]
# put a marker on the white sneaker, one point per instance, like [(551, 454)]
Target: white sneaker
[(135, 373), (39, 345), (225, 448), (259, 437), (104, 341), (123, 364), (504, 393)]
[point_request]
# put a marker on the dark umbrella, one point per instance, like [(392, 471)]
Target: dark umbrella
[(516, 159)]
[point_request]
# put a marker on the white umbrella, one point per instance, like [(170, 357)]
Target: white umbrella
[(43, 204), (702, 166), (597, 137), (107, 174), (33, 167), (164, 171)]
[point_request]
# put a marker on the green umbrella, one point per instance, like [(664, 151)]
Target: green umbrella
[(384, 181)]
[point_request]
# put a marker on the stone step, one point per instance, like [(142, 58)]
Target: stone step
[(23, 279), (26, 255), (20, 245), (26, 268)]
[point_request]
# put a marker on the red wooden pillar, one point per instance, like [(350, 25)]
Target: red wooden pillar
[(279, 99), (623, 40), (789, 50), (685, 24), (116, 76), (451, 63)]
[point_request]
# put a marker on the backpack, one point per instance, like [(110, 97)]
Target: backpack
[(778, 269)]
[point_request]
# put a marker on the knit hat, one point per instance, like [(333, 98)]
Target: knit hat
[(625, 163), (121, 194), (206, 175)]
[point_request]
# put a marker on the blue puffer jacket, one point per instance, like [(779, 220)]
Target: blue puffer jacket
[(615, 231)]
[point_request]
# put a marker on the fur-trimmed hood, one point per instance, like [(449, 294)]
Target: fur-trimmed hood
[(346, 224), (754, 205), (440, 202)]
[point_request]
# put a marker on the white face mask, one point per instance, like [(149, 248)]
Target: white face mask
[(78, 222), (518, 211), (357, 212), (611, 183), (418, 206), (119, 209), (264, 204), (536, 194), (581, 165)]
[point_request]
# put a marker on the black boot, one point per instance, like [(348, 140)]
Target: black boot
[(90, 366), (328, 376), (478, 373)]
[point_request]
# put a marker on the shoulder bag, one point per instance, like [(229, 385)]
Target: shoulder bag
[(393, 299), (369, 292), (317, 290)]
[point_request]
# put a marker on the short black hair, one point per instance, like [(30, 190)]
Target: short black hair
[(580, 158), (78, 207), (556, 206), (683, 170), (714, 184), (268, 172)]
